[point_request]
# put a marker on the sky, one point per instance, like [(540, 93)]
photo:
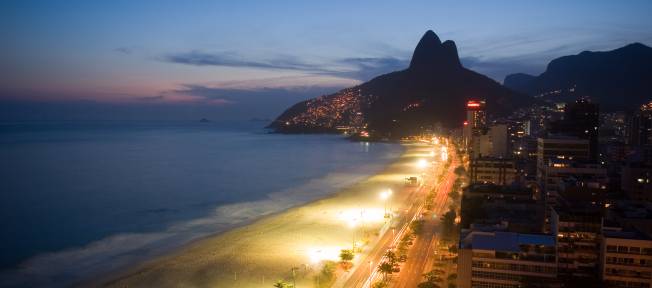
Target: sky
[(236, 60)]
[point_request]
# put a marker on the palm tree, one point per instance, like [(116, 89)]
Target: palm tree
[(346, 255), (385, 268), (281, 284), (391, 256)]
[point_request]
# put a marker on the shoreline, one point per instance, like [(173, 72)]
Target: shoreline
[(275, 242), (117, 252)]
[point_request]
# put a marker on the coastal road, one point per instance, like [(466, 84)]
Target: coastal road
[(422, 254), (365, 274)]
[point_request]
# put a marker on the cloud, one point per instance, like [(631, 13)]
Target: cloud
[(368, 68), (197, 58), (151, 98), (124, 50), (258, 96), (361, 68)]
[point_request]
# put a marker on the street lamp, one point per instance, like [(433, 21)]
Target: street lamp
[(390, 192), (422, 163), (384, 196), (352, 223)]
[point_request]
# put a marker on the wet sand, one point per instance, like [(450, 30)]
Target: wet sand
[(258, 254)]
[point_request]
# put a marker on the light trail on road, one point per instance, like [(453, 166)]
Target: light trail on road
[(364, 278)]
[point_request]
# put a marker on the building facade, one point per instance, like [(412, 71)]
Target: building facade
[(492, 170), (506, 260), (626, 259)]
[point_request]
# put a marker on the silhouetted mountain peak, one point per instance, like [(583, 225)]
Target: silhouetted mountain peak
[(634, 48), (636, 45), (451, 52), (429, 36), (430, 54), (432, 92)]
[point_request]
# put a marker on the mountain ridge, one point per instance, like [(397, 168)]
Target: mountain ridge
[(618, 79), (433, 89)]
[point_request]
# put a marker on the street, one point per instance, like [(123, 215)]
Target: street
[(420, 254)]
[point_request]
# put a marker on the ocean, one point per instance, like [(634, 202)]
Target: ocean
[(81, 199)]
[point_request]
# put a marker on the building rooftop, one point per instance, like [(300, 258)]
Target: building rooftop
[(514, 214), (507, 241), (628, 234)]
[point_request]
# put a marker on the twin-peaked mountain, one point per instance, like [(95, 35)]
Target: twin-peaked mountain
[(433, 89), (620, 79)]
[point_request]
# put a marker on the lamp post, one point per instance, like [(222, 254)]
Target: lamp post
[(384, 196), (390, 192), (352, 224)]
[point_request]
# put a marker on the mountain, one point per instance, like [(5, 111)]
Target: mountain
[(433, 89), (519, 81), (620, 79)]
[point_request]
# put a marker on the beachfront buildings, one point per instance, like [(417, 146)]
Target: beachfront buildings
[(585, 219), (506, 259), (502, 243)]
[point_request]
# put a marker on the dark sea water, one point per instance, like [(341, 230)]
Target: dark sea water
[(77, 200)]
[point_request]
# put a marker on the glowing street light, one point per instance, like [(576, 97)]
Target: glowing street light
[(422, 163), (353, 223), (384, 196)]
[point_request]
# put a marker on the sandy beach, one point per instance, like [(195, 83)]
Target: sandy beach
[(258, 254)]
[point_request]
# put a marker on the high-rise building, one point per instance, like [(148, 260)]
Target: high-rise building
[(493, 170), (556, 171), (639, 130), (475, 113), (583, 117), (475, 119), (490, 141), (561, 147), (578, 229), (582, 120)]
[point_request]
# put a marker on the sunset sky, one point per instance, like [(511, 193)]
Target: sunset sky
[(244, 59)]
